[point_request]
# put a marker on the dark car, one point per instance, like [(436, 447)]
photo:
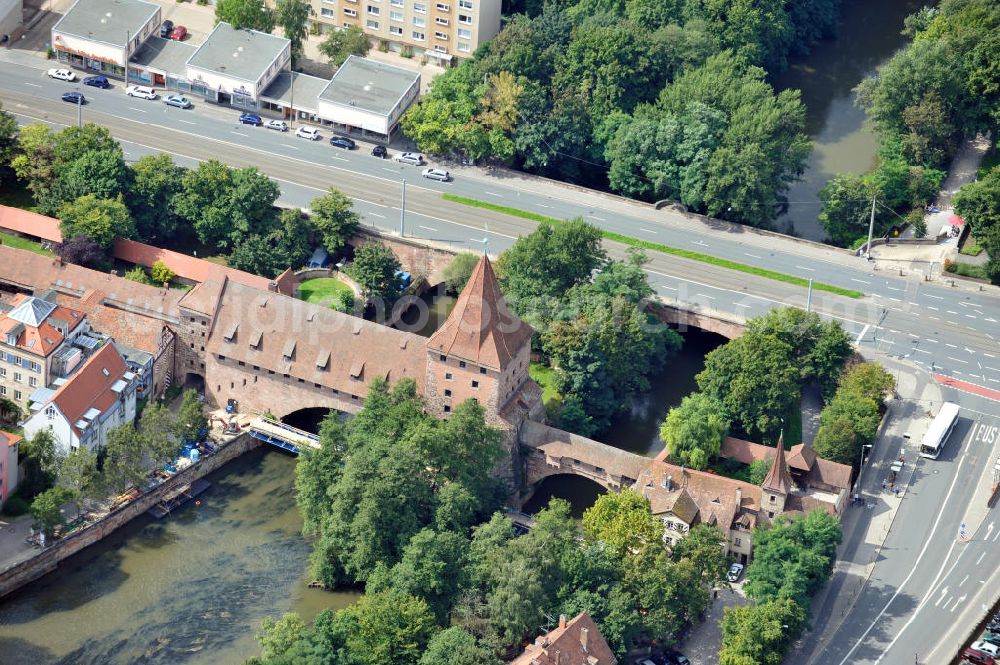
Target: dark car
[(251, 119), (166, 28), (74, 98), (97, 82), (380, 151), (343, 142), (978, 657)]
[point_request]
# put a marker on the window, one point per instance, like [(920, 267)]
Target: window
[(395, 30), (441, 21), (419, 36), (441, 7), (50, 412), (326, 12), (419, 7), (395, 16), (462, 46), (440, 35), (465, 33), (242, 364), (419, 22), (396, 3), (771, 498), (35, 367), (221, 357), (32, 381), (447, 376), (465, 4), (447, 409), (373, 10), (371, 24), (461, 363), (256, 368), (447, 392), (17, 395), (3, 371), (482, 370), (301, 380), (475, 384), (462, 18), (443, 359), (737, 542), (17, 376), (350, 12)]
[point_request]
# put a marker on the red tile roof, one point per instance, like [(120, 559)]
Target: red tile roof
[(720, 500), (30, 224), (11, 438), (43, 339), (578, 642), (188, 267), (139, 332), (90, 387), (481, 329)]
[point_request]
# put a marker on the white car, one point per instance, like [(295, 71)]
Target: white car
[(141, 91), (414, 158), (61, 74), (437, 174), (986, 647), (310, 133), (734, 573), (278, 125)]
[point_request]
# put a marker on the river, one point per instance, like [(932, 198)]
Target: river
[(189, 590), (869, 34)]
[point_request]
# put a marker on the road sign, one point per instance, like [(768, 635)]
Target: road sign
[(962, 533)]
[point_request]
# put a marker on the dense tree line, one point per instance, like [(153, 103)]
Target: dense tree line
[(442, 586), (851, 418), (80, 176), (942, 88), (656, 100), (979, 204), (590, 314)]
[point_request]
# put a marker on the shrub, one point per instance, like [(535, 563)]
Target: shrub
[(15, 506), (162, 274), (137, 274)]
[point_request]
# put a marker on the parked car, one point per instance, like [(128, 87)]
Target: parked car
[(978, 657), (166, 28), (735, 571), (310, 133), (412, 158), (379, 151), (672, 658), (179, 33), (179, 101), (141, 91), (61, 74), (343, 142), (986, 647), (74, 98), (277, 125), (991, 637), (437, 174), (97, 82), (251, 119)]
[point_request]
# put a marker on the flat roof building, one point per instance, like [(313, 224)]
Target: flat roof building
[(161, 62), (235, 66), (368, 95), (101, 35), (294, 88)]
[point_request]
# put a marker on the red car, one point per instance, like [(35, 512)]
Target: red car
[(179, 33), (977, 657)]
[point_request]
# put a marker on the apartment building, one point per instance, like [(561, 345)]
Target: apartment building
[(33, 346), (438, 29)]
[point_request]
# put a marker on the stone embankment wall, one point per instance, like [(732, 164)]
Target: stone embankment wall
[(45, 561)]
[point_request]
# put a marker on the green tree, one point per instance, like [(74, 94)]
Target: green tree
[(836, 441), (760, 634), (101, 220), (870, 380), (8, 142), (161, 273), (293, 17), (137, 274), (33, 163), (191, 417), (979, 203), (694, 430), (862, 412), (256, 254), (623, 522), (40, 460), (125, 459), (455, 646), (457, 273), (158, 426), (317, 473), (154, 182), (277, 637), (389, 627), (98, 173), (78, 473), (345, 42), (374, 268), (47, 508), (244, 14), (333, 217), (705, 547), (759, 469)]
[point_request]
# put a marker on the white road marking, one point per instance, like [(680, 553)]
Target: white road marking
[(923, 351), (288, 145), (33, 85), (932, 341), (429, 228), (739, 304), (959, 602), (705, 296), (860, 281), (804, 268), (752, 256), (862, 334), (499, 196), (996, 536), (991, 320), (931, 295), (935, 318), (647, 230), (932, 307), (941, 597), (187, 122), (386, 168), (668, 288), (132, 108), (980, 558), (892, 288), (989, 355), (340, 159), (959, 360), (698, 242), (951, 311), (375, 214), (971, 316), (240, 133), (950, 346), (895, 299), (600, 219), (542, 205), (964, 580)]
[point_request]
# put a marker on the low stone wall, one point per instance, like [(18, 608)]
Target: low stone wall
[(316, 273), (424, 258), (48, 559), (717, 322)]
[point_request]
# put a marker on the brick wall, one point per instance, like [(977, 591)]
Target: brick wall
[(419, 258), (45, 561)]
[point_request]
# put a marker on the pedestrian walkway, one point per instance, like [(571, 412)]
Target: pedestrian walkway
[(705, 641)]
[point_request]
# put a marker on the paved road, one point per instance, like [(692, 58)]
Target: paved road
[(951, 331)]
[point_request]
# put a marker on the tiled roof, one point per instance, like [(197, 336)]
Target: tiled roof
[(480, 328), (32, 320), (30, 224), (778, 479), (204, 298), (11, 439), (290, 336), (803, 503), (558, 444), (816, 471), (286, 282), (744, 452), (801, 457), (577, 642), (90, 387), (139, 332), (188, 267), (832, 474), (676, 500)]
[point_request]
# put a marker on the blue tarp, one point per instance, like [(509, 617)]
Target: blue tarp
[(319, 259)]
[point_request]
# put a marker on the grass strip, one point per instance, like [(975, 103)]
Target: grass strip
[(18, 242), (665, 249)]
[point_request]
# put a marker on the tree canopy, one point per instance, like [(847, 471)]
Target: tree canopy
[(340, 44), (245, 14), (694, 430)]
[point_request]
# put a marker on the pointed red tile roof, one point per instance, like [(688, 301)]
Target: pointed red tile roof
[(481, 329), (778, 479)]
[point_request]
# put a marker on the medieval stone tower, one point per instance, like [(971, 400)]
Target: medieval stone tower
[(777, 483)]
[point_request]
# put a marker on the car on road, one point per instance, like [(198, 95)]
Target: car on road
[(977, 657), (380, 151), (437, 174), (179, 33), (412, 158), (180, 101), (310, 133), (61, 74), (97, 82), (166, 28), (74, 98), (343, 142), (141, 91), (735, 571), (277, 125), (251, 119), (986, 647)]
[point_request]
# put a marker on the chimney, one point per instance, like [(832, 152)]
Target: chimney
[(562, 621), (739, 498), (584, 638), (668, 482)]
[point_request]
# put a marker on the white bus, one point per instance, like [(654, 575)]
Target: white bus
[(939, 430)]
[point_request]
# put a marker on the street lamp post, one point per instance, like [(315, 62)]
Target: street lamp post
[(871, 230)]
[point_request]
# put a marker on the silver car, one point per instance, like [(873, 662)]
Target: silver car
[(61, 74), (437, 174), (412, 158), (179, 101), (278, 125)]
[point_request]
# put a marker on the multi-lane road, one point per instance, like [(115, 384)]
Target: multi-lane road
[(927, 577)]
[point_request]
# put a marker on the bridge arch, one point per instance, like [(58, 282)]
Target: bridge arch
[(307, 418)]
